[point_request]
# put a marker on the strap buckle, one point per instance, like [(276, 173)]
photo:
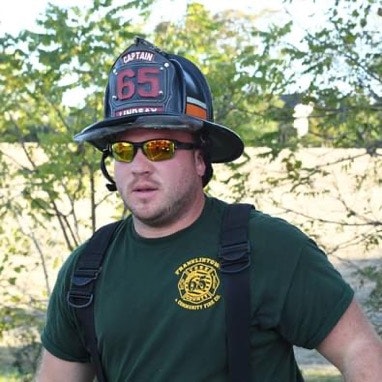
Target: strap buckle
[(80, 295), (234, 258), (77, 299), (85, 276)]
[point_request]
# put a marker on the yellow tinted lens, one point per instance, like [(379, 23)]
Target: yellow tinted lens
[(159, 149), (122, 151)]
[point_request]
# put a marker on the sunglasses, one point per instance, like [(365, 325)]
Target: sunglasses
[(154, 149)]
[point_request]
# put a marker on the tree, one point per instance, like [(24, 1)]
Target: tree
[(341, 64), (244, 77), (46, 176), (343, 61)]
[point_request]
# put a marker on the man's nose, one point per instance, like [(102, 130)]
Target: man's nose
[(140, 162)]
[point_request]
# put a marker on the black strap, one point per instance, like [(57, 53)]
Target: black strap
[(81, 293), (234, 266)]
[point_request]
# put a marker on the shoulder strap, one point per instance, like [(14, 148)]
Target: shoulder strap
[(81, 293), (234, 266)]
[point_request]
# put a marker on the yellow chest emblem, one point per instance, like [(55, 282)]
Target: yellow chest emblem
[(198, 283)]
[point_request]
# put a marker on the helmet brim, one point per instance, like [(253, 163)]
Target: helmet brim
[(225, 144)]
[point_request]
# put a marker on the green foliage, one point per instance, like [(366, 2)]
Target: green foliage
[(342, 60), (25, 347), (373, 274), (245, 78), (71, 48), (45, 176)]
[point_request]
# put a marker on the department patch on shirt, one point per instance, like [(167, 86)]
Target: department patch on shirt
[(198, 283)]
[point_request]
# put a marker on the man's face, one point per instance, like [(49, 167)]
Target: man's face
[(161, 193)]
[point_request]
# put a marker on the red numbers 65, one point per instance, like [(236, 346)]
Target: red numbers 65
[(144, 82)]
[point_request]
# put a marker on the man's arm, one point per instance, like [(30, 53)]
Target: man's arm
[(354, 347), (53, 369)]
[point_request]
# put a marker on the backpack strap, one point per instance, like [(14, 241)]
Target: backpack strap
[(234, 267), (81, 292)]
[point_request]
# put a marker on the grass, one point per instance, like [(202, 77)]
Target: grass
[(11, 377), (322, 375)]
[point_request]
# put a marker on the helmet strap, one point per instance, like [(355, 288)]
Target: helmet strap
[(205, 145), (110, 186)]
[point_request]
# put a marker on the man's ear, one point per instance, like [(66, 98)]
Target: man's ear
[(200, 165)]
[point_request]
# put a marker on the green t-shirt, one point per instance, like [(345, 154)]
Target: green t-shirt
[(159, 309)]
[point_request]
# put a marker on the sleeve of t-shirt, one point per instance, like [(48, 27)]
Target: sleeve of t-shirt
[(61, 335), (316, 299)]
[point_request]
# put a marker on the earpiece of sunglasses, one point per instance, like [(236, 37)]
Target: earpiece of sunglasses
[(154, 149)]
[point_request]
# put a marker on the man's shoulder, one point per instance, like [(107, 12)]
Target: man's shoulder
[(276, 226), (71, 261)]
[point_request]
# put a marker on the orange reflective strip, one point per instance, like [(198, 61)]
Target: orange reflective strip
[(196, 111)]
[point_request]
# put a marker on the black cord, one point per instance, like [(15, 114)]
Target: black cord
[(110, 186)]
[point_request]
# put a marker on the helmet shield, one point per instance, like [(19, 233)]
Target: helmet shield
[(148, 88)]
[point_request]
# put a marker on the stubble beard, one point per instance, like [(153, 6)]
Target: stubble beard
[(171, 210)]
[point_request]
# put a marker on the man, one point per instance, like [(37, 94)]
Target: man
[(159, 304)]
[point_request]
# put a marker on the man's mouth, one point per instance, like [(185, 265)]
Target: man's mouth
[(144, 188)]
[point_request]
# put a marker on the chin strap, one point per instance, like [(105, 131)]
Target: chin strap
[(110, 186)]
